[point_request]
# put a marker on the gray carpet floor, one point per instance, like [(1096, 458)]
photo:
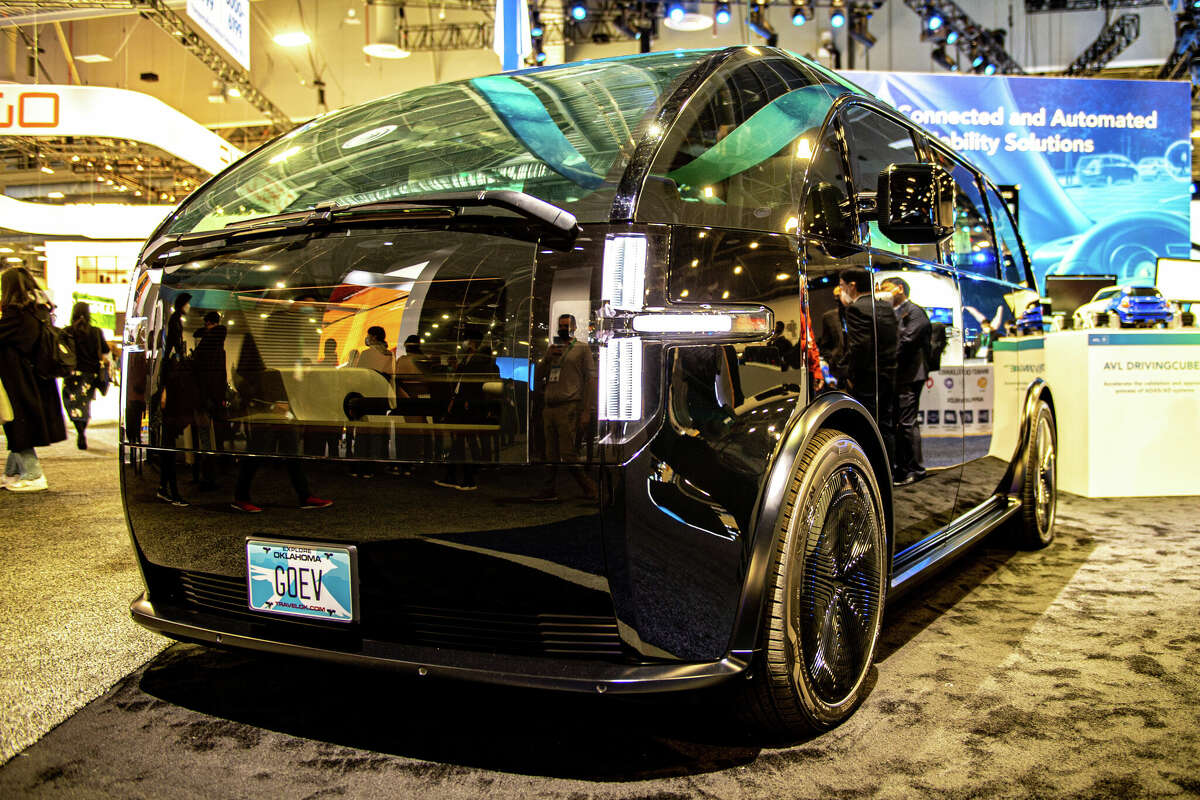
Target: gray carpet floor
[(1071, 672)]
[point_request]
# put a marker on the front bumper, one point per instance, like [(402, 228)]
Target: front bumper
[(510, 670)]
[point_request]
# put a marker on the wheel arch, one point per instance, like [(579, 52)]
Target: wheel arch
[(1036, 391), (833, 410)]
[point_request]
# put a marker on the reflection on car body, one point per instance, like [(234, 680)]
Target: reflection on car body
[(749, 309)]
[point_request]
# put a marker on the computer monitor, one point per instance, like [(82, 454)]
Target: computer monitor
[(1069, 292), (1178, 279)]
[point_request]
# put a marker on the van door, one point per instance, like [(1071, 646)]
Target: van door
[(924, 407)]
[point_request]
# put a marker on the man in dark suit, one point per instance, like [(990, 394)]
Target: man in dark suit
[(912, 353), (869, 354), (830, 341)]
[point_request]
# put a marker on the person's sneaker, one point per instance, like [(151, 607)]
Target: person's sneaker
[(245, 507), (466, 487), (179, 502), (164, 495), (37, 484), (449, 484), (544, 497), (316, 502)]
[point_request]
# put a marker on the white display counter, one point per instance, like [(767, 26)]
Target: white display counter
[(1128, 411)]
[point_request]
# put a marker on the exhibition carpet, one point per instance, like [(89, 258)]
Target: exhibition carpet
[(1071, 672)]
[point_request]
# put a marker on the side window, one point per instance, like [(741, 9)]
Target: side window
[(970, 248), (827, 210), (1012, 259), (873, 143), (731, 162)]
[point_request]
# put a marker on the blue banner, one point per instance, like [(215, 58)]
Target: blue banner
[(1104, 166)]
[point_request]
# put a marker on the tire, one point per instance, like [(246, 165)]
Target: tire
[(825, 591), (1039, 489)]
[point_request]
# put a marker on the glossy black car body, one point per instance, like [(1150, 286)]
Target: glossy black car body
[(660, 582)]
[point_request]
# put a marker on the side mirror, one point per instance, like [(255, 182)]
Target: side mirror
[(915, 203)]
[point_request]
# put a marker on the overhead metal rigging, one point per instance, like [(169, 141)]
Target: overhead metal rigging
[(1115, 37)]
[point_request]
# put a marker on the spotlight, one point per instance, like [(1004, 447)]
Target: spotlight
[(838, 16), (860, 15), (951, 37), (977, 60), (721, 13), (989, 69), (756, 21), (535, 25), (675, 11), (941, 57), (934, 21), (579, 10), (801, 13)]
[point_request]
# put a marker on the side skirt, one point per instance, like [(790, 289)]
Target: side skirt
[(926, 557)]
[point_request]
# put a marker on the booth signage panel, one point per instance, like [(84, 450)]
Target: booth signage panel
[(1104, 166), (98, 111), (102, 309), (1015, 363), (1128, 411), (227, 22)]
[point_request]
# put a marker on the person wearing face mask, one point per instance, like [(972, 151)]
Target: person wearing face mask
[(568, 376)]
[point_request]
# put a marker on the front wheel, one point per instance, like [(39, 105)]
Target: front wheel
[(825, 593), (1039, 491)]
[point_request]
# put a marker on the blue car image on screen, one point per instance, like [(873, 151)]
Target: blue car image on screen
[(1134, 306)]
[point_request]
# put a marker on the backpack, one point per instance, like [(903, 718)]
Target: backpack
[(937, 346), (54, 352)]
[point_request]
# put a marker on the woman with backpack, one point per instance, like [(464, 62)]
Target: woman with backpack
[(91, 366), (37, 415)]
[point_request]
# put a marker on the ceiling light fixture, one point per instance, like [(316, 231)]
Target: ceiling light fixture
[(92, 58), (383, 26), (687, 17), (837, 17), (292, 39)]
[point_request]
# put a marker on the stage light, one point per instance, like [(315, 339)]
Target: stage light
[(977, 60), (721, 13), (838, 16), (934, 22), (675, 12), (951, 37), (579, 11), (801, 13), (989, 69)]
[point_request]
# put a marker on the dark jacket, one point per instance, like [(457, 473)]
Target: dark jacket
[(870, 347), (89, 347), (912, 345), (830, 341), (209, 362), (37, 410)]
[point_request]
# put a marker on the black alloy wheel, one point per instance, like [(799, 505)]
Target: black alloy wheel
[(826, 590), (1039, 491)]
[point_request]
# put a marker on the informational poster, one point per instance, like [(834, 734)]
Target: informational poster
[(1126, 406), (227, 22), (1016, 363), (1104, 166)]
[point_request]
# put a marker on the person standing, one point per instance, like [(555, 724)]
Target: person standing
[(91, 363), (869, 356), (567, 374), (37, 414), (912, 353)]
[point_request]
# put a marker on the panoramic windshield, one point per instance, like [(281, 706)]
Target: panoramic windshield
[(562, 134)]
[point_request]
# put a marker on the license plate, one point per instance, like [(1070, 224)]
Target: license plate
[(296, 579)]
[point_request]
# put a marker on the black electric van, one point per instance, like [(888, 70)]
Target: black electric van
[(630, 375)]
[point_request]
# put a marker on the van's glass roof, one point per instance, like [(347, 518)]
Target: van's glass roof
[(563, 134)]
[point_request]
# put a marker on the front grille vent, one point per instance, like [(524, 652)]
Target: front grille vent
[(559, 635)]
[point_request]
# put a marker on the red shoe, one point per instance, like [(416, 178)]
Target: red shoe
[(316, 502), (245, 507)]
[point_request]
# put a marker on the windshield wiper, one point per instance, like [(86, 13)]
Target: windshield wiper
[(556, 221)]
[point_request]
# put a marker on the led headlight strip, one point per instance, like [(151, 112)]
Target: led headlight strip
[(629, 320)]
